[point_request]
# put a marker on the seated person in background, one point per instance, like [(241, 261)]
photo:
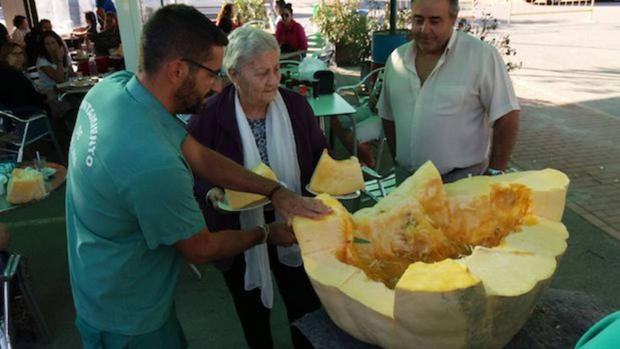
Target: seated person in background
[(54, 64), (224, 19), (103, 8), (290, 34), (250, 121), (20, 30), (90, 30), (16, 91), (45, 25), (108, 39)]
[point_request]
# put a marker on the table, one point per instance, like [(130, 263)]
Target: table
[(53, 183), (70, 88), (333, 105)]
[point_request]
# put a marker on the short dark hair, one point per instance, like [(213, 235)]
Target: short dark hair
[(91, 18), (18, 20), (289, 7), (177, 31), (454, 6)]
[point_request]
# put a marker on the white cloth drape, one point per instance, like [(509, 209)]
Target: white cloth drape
[(282, 153)]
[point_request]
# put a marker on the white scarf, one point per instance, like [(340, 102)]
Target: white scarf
[(282, 153)]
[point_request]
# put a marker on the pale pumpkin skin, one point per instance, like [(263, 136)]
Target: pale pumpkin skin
[(337, 177), (238, 199), (477, 301)]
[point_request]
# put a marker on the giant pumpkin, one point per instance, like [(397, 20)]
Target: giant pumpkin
[(439, 266)]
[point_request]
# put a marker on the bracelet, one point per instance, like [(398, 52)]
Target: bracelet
[(493, 172), (265, 229), (273, 191)]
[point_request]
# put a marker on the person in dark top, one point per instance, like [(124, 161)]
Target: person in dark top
[(16, 91), (90, 29), (224, 19), (289, 33), (4, 35), (108, 39)]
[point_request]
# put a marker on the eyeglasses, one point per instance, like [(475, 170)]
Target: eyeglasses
[(217, 74), (285, 15)]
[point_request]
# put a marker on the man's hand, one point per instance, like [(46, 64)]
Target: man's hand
[(281, 234), (289, 204)]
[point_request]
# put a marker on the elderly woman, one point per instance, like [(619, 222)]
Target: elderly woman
[(250, 121)]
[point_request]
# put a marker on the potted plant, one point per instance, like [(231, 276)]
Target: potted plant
[(340, 22), (250, 10)]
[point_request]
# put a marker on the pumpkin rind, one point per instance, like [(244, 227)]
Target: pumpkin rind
[(336, 177), (238, 199), (476, 301)]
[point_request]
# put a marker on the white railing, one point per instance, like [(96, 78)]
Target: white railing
[(539, 7)]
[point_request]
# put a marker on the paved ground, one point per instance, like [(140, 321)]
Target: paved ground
[(569, 88)]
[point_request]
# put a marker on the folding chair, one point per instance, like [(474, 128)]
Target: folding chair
[(27, 130), (378, 184), (14, 273)]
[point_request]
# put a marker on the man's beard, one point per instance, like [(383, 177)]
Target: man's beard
[(187, 98)]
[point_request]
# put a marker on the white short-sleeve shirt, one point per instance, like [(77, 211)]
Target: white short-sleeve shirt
[(447, 120)]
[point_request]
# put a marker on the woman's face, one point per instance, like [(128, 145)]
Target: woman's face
[(51, 45), (110, 22), (287, 16), (16, 58), (257, 82)]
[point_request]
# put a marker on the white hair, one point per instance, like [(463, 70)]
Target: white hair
[(245, 43)]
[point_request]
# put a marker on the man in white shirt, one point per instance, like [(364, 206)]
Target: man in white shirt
[(21, 29), (443, 94)]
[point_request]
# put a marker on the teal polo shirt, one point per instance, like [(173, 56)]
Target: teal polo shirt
[(129, 198)]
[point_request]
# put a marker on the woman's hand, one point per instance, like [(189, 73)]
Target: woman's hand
[(214, 196), (289, 204), (60, 55), (281, 234)]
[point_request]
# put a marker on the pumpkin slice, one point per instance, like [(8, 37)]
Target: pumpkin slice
[(237, 199), (455, 266), (549, 189), (25, 185), (337, 177)]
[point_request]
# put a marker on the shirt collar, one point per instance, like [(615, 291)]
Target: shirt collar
[(449, 46), (412, 51), (159, 112)]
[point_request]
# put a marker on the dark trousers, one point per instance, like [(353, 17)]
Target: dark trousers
[(295, 289)]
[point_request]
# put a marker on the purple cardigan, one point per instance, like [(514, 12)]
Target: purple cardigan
[(216, 128)]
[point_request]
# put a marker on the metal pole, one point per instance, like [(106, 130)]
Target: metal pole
[(392, 17)]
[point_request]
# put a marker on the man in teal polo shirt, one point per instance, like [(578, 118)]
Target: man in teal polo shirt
[(131, 215)]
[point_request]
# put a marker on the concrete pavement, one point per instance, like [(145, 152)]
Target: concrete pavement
[(569, 88)]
